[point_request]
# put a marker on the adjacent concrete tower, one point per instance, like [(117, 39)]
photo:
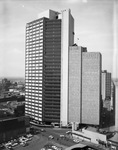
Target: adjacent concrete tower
[(91, 87), (84, 86), (75, 84)]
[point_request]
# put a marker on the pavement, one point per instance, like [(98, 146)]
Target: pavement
[(41, 139), (95, 146)]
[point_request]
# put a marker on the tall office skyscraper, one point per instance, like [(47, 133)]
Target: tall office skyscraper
[(84, 86), (46, 39)]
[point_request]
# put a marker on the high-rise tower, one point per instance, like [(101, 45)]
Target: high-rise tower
[(43, 65), (84, 86), (47, 41)]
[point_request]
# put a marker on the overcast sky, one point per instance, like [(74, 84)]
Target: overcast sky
[(94, 26)]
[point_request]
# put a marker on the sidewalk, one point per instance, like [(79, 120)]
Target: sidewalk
[(96, 146)]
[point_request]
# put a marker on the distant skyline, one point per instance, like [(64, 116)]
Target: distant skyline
[(94, 26)]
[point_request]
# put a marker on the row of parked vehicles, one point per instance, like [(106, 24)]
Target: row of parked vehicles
[(50, 147), (23, 140)]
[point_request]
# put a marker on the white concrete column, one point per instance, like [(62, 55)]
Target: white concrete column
[(116, 105)]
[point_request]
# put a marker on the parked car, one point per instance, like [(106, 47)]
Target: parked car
[(68, 132), (8, 145), (62, 136), (14, 144), (24, 144), (54, 147), (29, 135), (76, 140), (23, 139), (51, 137), (42, 130)]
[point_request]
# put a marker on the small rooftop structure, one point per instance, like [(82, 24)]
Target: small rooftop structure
[(49, 14)]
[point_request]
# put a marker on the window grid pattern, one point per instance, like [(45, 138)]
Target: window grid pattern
[(34, 69), (52, 69)]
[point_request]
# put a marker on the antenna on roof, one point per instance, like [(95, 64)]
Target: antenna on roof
[(77, 41)]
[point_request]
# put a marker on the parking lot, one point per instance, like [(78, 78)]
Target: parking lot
[(54, 136), (36, 143)]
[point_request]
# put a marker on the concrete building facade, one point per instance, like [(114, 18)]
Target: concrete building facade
[(67, 40), (91, 87), (75, 84), (84, 86)]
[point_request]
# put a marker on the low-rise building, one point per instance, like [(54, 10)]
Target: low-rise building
[(90, 135), (13, 127)]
